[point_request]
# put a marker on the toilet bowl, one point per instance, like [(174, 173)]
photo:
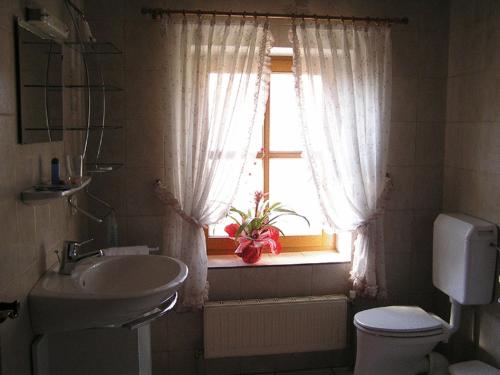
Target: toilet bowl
[(398, 340), (395, 340)]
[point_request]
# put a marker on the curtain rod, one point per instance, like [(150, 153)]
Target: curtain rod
[(159, 12)]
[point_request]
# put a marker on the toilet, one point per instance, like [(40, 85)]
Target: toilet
[(398, 340)]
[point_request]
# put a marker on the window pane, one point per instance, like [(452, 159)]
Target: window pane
[(290, 184), (244, 197), (284, 115)]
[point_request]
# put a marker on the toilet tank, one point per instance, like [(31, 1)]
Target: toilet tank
[(463, 259)]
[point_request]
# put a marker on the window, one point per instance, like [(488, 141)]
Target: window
[(280, 170)]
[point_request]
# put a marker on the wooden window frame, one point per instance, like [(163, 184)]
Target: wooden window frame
[(223, 245)]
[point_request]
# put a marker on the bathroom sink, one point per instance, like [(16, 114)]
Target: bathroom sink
[(109, 291)]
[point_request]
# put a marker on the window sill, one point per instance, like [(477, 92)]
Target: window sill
[(284, 259)]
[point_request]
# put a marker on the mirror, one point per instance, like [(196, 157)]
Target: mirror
[(39, 86)]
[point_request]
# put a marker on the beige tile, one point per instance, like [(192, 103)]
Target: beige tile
[(159, 335), (430, 144), (185, 330), (330, 279), (422, 230), (431, 106), (97, 10), (468, 192), (398, 272), (404, 52), (224, 284), (450, 189), (453, 145), (145, 230), (9, 231), (487, 148), (294, 281), (141, 199), (428, 188), (183, 362), (145, 48), (25, 222), (9, 263), (145, 141), (259, 282), (111, 188), (401, 195), (397, 231), (421, 272), (402, 144), (159, 363), (433, 52), (222, 366), (404, 99)]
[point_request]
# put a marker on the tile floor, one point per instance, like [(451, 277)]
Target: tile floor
[(327, 371)]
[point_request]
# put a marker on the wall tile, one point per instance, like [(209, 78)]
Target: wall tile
[(185, 330), (428, 187), (141, 199), (401, 195), (398, 272), (224, 284), (429, 144), (294, 281), (397, 231), (159, 335), (431, 104), (182, 362), (159, 363), (404, 103), (402, 144), (145, 230), (330, 279), (259, 282)]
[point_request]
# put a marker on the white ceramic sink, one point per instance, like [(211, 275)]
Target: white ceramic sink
[(104, 291)]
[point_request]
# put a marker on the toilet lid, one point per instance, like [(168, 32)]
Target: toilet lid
[(397, 319), (473, 367)]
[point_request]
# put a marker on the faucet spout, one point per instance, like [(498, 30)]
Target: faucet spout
[(70, 256), (98, 253)]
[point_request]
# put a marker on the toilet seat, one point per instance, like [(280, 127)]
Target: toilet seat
[(399, 321)]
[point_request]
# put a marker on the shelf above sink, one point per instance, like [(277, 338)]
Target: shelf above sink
[(37, 196)]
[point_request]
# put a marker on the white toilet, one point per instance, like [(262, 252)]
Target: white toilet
[(398, 340)]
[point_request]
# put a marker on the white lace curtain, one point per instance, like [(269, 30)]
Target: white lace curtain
[(343, 83), (217, 81)]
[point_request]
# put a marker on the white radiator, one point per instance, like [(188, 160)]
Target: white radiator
[(272, 326)]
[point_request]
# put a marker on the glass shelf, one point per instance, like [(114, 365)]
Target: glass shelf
[(95, 48), (92, 87), (37, 195), (102, 167), (92, 128)]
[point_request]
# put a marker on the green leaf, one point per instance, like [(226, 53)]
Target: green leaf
[(241, 213)]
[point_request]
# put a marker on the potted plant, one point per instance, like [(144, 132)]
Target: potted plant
[(256, 232)]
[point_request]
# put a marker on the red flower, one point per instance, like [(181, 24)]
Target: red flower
[(231, 229)]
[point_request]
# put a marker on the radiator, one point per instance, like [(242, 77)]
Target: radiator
[(271, 326)]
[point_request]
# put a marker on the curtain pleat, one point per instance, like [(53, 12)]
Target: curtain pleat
[(343, 83)]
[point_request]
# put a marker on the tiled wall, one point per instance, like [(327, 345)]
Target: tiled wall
[(416, 155), (472, 151), (28, 235)]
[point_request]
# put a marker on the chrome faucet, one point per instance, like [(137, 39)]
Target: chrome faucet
[(70, 255)]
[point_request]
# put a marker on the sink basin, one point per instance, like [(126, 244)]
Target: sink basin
[(103, 292)]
